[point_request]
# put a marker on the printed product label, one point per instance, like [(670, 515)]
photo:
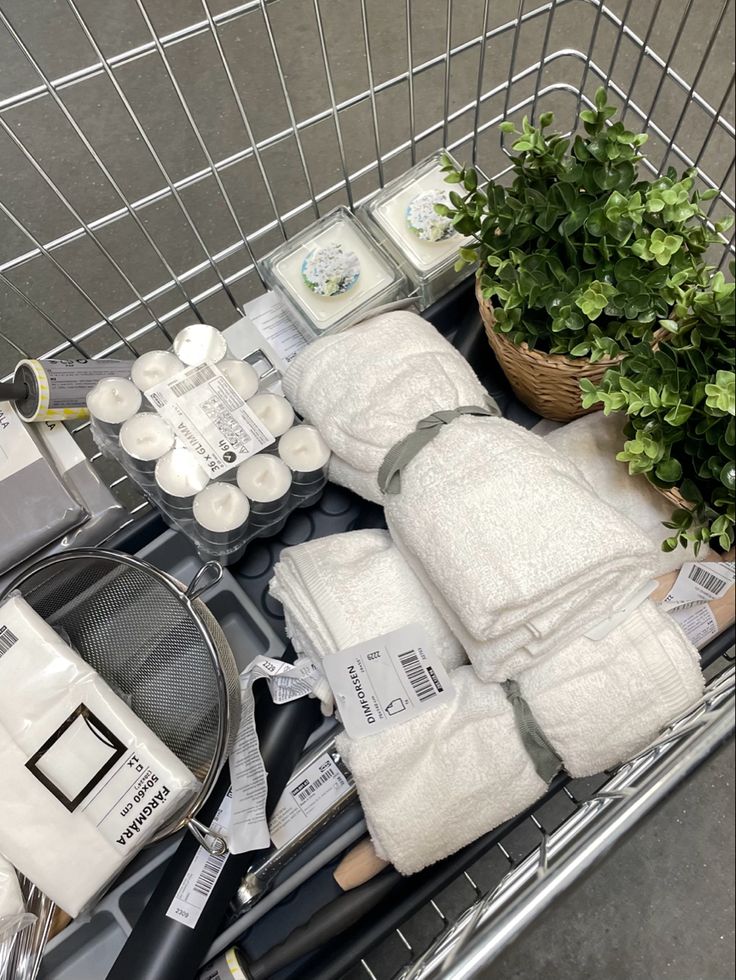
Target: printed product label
[(287, 682), (69, 382), (307, 797), (202, 875), (387, 681), (697, 622), (210, 418), (274, 323), (700, 582), (17, 447)]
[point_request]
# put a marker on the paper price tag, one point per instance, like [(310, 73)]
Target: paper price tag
[(306, 797), (697, 623), (387, 681), (210, 418), (287, 682), (700, 581)]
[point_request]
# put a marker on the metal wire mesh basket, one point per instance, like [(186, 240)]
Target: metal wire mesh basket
[(155, 150), (158, 647)]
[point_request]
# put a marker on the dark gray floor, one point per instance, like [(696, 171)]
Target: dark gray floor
[(660, 908)]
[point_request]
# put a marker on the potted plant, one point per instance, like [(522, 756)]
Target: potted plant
[(680, 399), (579, 258)]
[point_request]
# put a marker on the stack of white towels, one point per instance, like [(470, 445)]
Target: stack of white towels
[(503, 551)]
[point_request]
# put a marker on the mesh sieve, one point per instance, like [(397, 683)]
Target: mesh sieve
[(158, 647)]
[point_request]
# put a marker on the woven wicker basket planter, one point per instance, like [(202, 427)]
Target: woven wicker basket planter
[(549, 384)]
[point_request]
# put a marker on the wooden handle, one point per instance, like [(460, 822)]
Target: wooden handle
[(722, 608), (359, 865)]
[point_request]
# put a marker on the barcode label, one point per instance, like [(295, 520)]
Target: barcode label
[(7, 639), (193, 380), (417, 676), (714, 583), (311, 790), (700, 582), (387, 681), (201, 876), (208, 876), (308, 796)]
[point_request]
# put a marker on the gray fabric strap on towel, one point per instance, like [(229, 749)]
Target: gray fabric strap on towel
[(400, 455), (545, 759)]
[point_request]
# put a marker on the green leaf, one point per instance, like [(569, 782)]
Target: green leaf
[(669, 470)]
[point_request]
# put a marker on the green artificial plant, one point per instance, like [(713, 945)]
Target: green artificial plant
[(580, 256), (680, 398)]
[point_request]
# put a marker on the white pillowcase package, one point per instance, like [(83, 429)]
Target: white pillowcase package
[(85, 783)]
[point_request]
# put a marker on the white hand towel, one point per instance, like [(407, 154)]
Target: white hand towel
[(516, 550), (601, 702), (85, 783), (440, 781), (591, 443), (367, 387), (347, 588)]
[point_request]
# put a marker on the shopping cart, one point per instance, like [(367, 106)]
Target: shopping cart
[(154, 150)]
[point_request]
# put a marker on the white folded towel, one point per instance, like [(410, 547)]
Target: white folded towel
[(601, 702), (516, 550), (367, 387), (84, 782), (591, 443), (436, 783), (347, 588)]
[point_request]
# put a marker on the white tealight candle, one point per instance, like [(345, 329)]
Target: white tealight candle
[(242, 376), (144, 439), (180, 476), (304, 450), (153, 367), (264, 479), (274, 411), (113, 401), (221, 510), (200, 344)]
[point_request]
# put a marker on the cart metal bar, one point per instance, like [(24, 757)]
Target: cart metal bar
[(673, 49), (410, 74), (42, 313), (85, 142), (294, 131), (479, 86), (154, 156), (333, 102), (372, 89), (545, 48), (448, 70), (489, 925), (212, 23), (200, 141), (4, 209)]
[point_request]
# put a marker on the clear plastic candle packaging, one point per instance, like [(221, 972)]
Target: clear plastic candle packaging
[(202, 442), (332, 273), (403, 218)]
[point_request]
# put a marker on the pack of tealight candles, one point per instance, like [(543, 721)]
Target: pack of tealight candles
[(224, 461)]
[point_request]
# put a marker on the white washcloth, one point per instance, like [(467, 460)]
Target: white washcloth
[(516, 550), (367, 387), (348, 588), (592, 442), (84, 782), (600, 702), (440, 781)]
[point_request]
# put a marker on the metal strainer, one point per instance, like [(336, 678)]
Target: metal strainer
[(157, 646)]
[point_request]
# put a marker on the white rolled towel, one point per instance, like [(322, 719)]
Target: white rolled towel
[(598, 703), (518, 552), (348, 588), (592, 443), (84, 782), (367, 387), (436, 783)]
